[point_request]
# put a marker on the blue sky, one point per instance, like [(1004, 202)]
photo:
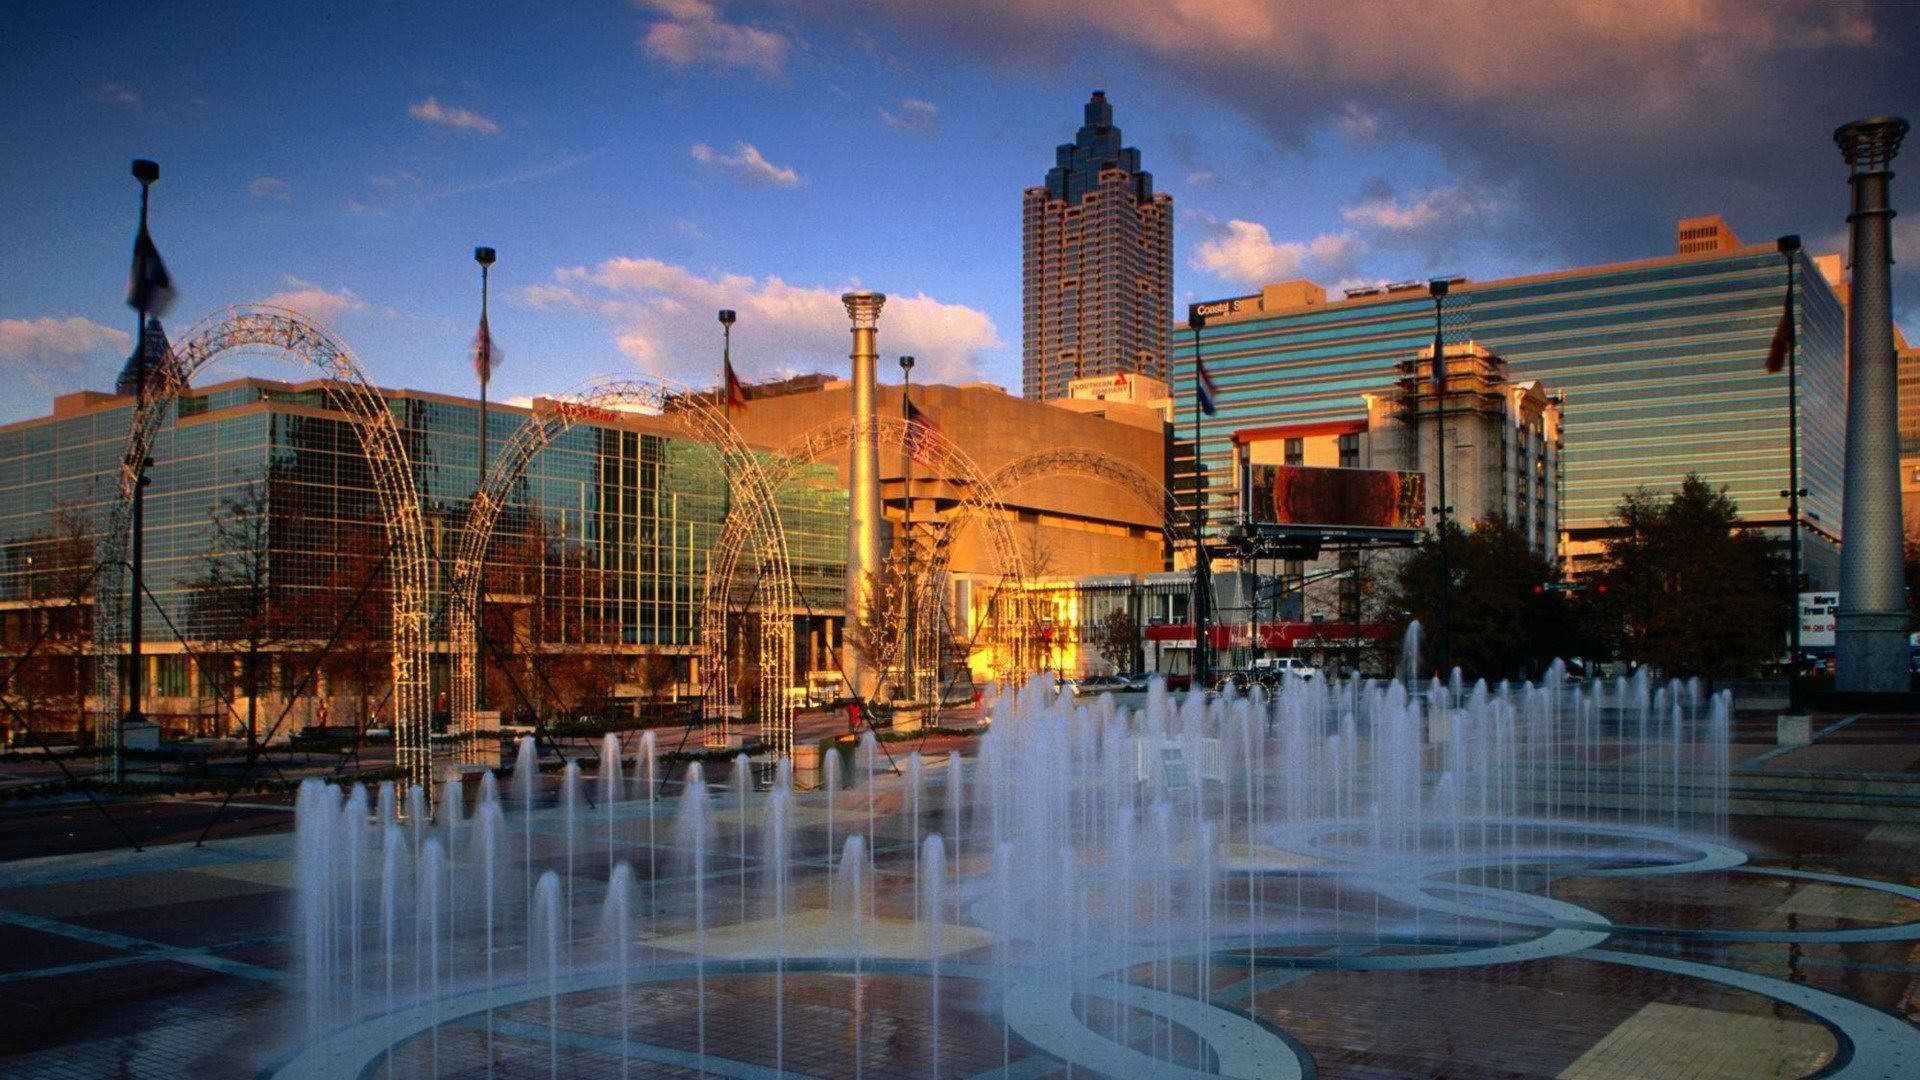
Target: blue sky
[(638, 165)]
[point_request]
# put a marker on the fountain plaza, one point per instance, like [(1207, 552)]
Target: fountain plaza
[(1337, 880)]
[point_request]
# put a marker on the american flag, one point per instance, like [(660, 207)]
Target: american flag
[(735, 389), (920, 428), (1203, 387)]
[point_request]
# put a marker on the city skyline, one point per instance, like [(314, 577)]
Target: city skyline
[(695, 156)]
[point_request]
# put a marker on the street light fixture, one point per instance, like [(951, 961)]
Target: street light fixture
[(906, 523)]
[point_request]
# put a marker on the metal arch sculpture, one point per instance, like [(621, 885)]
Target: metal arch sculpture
[(299, 338), (933, 449), (749, 489), (1094, 465)]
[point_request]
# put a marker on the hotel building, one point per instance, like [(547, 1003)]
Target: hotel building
[(1660, 364)]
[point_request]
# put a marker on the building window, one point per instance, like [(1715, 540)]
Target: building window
[(1350, 451), (1296, 451)]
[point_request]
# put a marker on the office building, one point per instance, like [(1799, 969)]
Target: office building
[(1096, 264), (1661, 364)]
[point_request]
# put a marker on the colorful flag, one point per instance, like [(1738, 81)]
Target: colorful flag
[(920, 428), (1203, 386), (486, 354), (149, 288), (735, 389), (1782, 343)]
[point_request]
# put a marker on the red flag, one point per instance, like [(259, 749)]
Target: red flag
[(1782, 344), (736, 390)]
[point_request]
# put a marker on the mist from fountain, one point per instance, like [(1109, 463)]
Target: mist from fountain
[(1149, 845)]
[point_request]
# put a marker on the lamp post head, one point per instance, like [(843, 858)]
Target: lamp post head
[(1870, 145), (1789, 243), (483, 256), (726, 316), (146, 171), (906, 363), (1195, 317), (1437, 288)]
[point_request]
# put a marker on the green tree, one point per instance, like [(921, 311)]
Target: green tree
[(1502, 623), (1688, 589)]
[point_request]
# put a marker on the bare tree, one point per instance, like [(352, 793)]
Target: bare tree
[(53, 567), (238, 604), (1116, 637)]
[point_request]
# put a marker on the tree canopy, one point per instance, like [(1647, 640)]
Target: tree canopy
[(1688, 589), (1502, 622)]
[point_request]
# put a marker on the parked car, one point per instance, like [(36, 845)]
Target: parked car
[(1102, 684)]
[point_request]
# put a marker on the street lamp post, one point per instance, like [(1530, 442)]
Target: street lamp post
[(483, 364), (1202, 570), (147, 172), (1789, 248), (1438, 288), (906, 526)]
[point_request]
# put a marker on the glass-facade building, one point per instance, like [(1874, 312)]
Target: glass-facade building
[(1661, 365), (611, 522)]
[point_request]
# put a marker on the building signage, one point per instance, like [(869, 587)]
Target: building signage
[(1817, 612), (1227, 307), (1357, 498)]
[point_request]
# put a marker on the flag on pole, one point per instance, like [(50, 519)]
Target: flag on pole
[(486, 354), (1782, 344), (149, 288), (1203, 386), (920, 428), (736, 391)]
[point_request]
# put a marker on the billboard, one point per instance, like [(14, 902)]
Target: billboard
[(1351, 498), (1817, 613)]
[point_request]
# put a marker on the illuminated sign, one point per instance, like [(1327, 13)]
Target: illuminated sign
[(1356, 498), (1227, 307), (589, 413)]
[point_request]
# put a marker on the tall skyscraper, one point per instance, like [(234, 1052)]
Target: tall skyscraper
[(1097, 263)]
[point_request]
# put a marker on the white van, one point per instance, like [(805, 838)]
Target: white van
[(1285, 665)]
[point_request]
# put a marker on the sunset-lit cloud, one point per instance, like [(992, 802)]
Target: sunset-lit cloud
[(660, 315)]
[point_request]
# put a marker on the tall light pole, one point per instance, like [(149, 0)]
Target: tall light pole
[(906, 524), (866, 526), (483, 366), (1438, 288), (1202, 569), (147, 172), (1790, 249), (1870, 640)]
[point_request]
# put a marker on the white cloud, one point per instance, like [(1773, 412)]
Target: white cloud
[(398, 178), (269, 189), (37, 348), (691, 32), (1357, 123), (661, 316), (1441, 207), (1245, 253), (431, 111), (1203, 178), (315, 300), (914, 117), (115, 94), (746, 162)]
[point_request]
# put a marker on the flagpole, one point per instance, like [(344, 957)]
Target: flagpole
[(1789, 247), (1438, 289), (726, 317), (146, 172), (1202, 572), (485, 257), (906, 520)]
